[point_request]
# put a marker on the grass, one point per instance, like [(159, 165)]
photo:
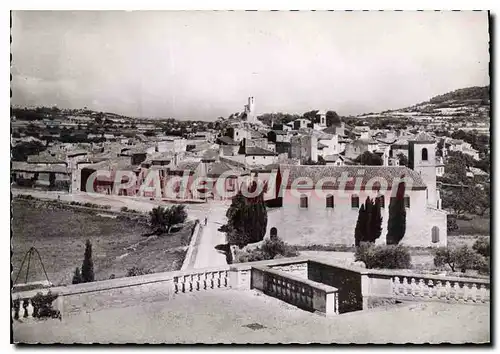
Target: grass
[(59, 235), (477, 225)]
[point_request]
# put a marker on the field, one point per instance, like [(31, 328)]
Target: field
[(60, 235)]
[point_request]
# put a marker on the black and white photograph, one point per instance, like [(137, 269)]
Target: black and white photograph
[(250, 177)]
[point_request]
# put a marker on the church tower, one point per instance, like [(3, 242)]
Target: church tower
[(250, 110), (422, 159)]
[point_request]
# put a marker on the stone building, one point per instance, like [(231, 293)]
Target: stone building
[(327, 214)]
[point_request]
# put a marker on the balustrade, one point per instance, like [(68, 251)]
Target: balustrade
[(209, 279)]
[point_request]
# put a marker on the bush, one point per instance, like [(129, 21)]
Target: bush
[(124, 208), (458, 258), (383, 256), (451, 223), (135, 271), (482, 246), (42, 305), (272, 248), (77, 277)]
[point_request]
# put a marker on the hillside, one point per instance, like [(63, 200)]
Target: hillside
[(471, 103)]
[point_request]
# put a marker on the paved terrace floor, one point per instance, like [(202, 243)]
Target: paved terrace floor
[(147, 315)]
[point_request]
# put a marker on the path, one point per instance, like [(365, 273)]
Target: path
[(205, 254)]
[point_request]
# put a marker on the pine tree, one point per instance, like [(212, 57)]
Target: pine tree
[(360, 230), (77, 277), (396, 225), (88, 264)]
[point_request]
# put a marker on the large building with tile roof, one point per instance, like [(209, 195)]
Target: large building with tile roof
[(320, 204)]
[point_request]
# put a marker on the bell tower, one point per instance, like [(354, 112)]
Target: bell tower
[(422, 159)]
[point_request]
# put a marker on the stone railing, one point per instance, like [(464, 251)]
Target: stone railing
[(447, 288), (303, 293), (189, 258), (201, 279)]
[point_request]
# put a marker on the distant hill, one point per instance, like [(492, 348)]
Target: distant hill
[(465, 103), (464, 94)]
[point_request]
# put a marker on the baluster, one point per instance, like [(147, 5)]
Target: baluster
[(454, 291), (198, 282), (204, 281), (447, 289), (29, 308), (413, 287), (26, 302), (478, 293), (176, 285), (467, 291), (219, 279), (226, 278), (482, 293), (473, 292), (405, 286), (422, 287), (439, 287), (395, 285), (432, 291)]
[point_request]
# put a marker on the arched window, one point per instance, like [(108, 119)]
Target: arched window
[(273, 234), (382, 201), (329, 201), (435, 234), (424, 154), (354, 201), (407, 201), (303, 201)]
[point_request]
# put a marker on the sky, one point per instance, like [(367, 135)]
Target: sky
[(204, 64)]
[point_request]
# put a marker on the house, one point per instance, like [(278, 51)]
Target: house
[(258, 156), (360, 146), (304, 148), (439, 167), (301, 123)]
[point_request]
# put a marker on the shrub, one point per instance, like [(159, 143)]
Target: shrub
[(42, 305), (161, 218), (383, 256), (135, 271), (457, 258), (482, 246), (272, 248), (77, 277), (451, 223), (124, 208)]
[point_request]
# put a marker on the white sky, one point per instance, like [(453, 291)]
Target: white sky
[(201, 65)]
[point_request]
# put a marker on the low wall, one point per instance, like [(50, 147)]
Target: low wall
[(188, 259), (303, 293)]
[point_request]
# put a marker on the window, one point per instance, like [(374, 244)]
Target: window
[(435, 234), (329, 201), (424, 154), (303, 201), (382, 201), (273, 233), (354, 201), (407, 201)]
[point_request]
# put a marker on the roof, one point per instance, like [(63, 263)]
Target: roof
[(321, 145), (477, 172), (45, 158), (388, 174), (21, 166), (218, 168), (330, 130), (186, 166), (365, 142), (423, 137), (279, 132), (333, 158), (117, 163), (210, 154), (257, 151), (227, 140)]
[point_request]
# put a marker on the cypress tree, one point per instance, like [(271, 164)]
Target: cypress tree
[(88, 264), (375, 221), (396, 225), (360, 230), (367, 221)]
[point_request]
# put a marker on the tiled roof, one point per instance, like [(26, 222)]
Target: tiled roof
[(210, 154), (227, 140), (257, 151), (333, 158), (218, 168), (365, 141), (378, 173), (423, 137), (187, 166)]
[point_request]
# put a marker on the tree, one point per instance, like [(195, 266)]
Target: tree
[(77, 277), (88, 264), (457, 258), (360, 230), (375, 221), (332, 118), (246, 219), (396, 225), (162, 218), (482, 246), (321, 161), (369, 159), (403, 160)]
